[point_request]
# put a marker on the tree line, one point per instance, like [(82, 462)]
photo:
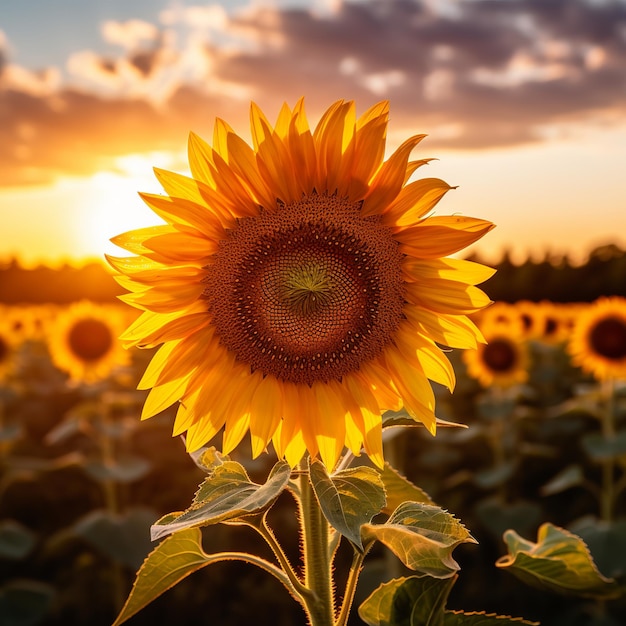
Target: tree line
[(603, 274)]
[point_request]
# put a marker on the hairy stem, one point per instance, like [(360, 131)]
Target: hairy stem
[(320, 607)]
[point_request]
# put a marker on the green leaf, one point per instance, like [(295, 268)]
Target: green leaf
[(571, 476), (349, 498), (399, 489), (498, 515), (494, 476), (126, 470), (422, 536), (601, 448), (412, 601), (607, 544), (559, 561), (226, 495), (172, 561), (124, 538), (16, 541), (459, 618), (24, 602)]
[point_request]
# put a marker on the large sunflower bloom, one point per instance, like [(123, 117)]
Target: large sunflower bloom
[(598, 340), (299, 288)]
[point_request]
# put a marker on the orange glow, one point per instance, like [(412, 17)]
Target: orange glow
[(72, 220)]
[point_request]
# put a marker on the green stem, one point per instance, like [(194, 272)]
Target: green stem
[(296, 584), (608, 466), (259, 562), (353, 577), (320, 606)]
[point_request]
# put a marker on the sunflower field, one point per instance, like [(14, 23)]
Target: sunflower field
[(388, 433), (83, 479)]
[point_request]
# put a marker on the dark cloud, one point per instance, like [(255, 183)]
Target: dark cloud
[(497, 72)]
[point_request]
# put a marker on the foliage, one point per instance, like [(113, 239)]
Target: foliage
[(83, 481)]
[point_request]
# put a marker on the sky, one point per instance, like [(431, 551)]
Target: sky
[(523, 102)]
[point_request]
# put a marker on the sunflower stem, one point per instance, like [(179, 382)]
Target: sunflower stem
[(608, 465), (296, 588), (353, 577), (320, 606)]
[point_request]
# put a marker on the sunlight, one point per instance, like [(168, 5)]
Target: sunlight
[(113, 206)]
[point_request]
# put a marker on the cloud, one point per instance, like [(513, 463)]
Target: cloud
[(474, 74)]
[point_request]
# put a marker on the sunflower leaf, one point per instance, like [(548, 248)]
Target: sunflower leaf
[(349, 498), (399, 489), (559, 561), (411, 601), (422, 536), (226, 495), (170, 562), (459, 618), (600, 448)]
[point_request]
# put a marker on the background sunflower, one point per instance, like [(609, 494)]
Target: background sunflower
[(83, 341), (598, 340)]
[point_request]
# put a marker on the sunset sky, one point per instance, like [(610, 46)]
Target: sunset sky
[(523, 101)]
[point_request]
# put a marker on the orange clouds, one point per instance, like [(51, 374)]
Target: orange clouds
[(485, 74)]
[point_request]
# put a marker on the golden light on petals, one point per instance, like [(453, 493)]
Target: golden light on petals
[(298, 288)]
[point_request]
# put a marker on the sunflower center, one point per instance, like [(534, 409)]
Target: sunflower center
[(308, 291), (499, 355), (89, 339), (608, 338)]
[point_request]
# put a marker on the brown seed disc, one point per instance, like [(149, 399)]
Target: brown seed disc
[(308, 291), (499, 355), (90, 339), (608, 338)]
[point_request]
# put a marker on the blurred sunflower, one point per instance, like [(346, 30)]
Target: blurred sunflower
[(598, 341), (83, 341), (532, 317), (299, 288), (504, 360), (554, 327)]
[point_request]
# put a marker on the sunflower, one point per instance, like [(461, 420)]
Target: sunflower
[(299, 287), (598, 340), (531, 315), (504, 360), (83, 341)]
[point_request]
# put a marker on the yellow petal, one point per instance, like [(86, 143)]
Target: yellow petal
[(185, 214), (182, 247), (330, 428), (441, 236), (414, 201), (416, 392), (265, 413), (451, 269), (159, 360), (200, 156), (389, 179), (431, 359), (163, 396), (454, 331), (447, 296), (151, 329)]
